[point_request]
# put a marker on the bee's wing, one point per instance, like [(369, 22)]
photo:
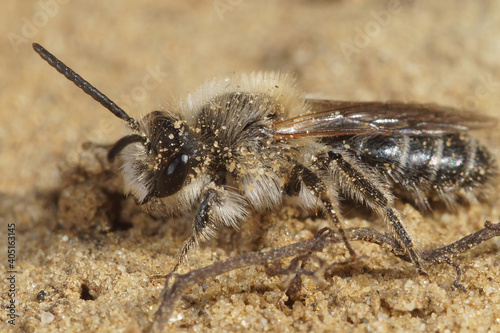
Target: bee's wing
[(334, 118)]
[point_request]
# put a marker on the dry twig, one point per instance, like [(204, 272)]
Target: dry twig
[(301, 251)]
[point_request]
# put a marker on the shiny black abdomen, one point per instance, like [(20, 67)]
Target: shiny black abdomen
[(418, 167)]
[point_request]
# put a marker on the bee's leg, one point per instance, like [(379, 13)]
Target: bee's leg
[(218, 207), (319, 190), (361, 186), (203, 226)]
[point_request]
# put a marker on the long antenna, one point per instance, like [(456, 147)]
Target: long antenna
[(85, 86)]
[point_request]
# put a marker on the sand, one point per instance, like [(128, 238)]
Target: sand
[(86, 256)]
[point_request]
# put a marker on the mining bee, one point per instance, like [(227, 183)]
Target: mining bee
[(247, 142)]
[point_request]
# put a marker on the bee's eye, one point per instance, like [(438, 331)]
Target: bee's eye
[(171, 177)]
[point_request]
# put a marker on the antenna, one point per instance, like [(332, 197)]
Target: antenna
[(85, 86)]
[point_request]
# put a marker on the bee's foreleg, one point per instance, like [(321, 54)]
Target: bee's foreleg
[(218, 207), (203, 226)]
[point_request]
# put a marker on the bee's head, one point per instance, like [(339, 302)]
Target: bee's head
[(160, 154), (157, 161)]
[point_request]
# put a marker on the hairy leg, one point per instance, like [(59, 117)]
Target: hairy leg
[(318, 188), (360, 184), (203, 227), (218, 207)]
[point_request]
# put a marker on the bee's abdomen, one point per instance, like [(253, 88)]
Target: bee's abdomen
[(451, 166)]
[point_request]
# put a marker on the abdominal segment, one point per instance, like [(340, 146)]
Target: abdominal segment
[(448, 167)]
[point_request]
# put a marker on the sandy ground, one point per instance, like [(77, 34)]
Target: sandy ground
[(85, 256)]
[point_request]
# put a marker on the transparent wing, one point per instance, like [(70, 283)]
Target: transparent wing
[(334, 118)]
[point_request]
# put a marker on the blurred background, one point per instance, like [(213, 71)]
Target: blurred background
[(144, 55)]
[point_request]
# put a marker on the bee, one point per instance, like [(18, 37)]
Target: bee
[(246, 143)]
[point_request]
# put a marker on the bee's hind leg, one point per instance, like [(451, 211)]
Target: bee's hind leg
[(364, 186)]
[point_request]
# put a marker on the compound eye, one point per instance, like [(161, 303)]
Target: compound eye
[(171, 178)]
